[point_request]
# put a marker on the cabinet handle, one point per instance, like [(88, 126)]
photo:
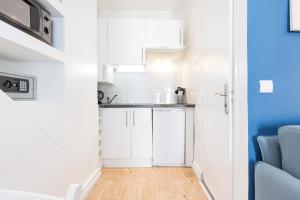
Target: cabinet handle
[(180, 36), (143, 55), (126, 119), (133, 118), (104, 73)]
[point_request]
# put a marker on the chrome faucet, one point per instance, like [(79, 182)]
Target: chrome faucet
[(110, 100)]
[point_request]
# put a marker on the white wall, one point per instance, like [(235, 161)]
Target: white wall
[(138, 14), (142, 4), (143, 87), (49, 144), (140, 9)]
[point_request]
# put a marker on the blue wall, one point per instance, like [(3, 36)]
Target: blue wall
[(273, 54)]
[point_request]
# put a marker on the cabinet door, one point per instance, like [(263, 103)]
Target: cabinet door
[(189, 136), (126, 41), (164, 33), (142, 133), (116, 133), (102, 48)]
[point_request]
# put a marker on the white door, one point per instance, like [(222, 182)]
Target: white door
[(216, 121), (164, 33), (169, 137), (116, 133), (126, 41), (141, 132)]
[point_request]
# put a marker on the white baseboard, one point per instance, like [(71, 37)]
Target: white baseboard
[(90, 183), (197, 170), (207, 193), (168, 165), (127, 163)]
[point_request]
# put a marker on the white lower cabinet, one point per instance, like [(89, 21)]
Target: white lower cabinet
[(116, 133), (127, 137), (189, 137), (141, 133), (100, 138)]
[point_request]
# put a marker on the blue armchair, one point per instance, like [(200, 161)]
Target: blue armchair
[(277, 177)]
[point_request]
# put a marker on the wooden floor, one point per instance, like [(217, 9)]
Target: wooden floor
[(147, 184)]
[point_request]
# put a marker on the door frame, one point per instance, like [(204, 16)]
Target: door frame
[(240, 105)]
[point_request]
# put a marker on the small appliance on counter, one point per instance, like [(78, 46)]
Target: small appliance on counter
[(28, 16), (100, 96), (181, 95)]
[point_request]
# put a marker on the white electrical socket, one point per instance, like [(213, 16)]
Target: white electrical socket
[(266, 86)]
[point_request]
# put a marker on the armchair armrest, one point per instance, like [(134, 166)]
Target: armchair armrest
[(272, 183), (270, 150)]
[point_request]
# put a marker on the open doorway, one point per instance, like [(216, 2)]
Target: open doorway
[(147, 49)]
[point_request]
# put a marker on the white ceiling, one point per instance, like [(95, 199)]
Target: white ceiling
[(141, 5)]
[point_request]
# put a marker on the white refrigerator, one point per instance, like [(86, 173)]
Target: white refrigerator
[(168, 137)]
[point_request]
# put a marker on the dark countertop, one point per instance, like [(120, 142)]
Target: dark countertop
[(137, 105)]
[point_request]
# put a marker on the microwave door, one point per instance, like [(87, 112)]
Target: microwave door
[(35, 19), (17, 10)]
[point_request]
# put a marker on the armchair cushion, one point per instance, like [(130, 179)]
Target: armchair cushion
[(272, 183), (270, 150), (289, 140)]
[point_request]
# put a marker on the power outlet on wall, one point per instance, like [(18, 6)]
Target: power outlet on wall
[(266, 86)]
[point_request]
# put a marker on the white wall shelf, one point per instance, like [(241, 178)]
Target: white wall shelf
[(55, 7), (16, 45)]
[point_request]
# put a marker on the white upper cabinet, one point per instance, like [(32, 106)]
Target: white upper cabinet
[(105, 72), (164, 33), (126, 41), (102, 41)]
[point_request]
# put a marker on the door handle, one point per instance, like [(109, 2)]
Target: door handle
[(104, 72), (221, 94), (180, 35), (143, 55), (226, 98)]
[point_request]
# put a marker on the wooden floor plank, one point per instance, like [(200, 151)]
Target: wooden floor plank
[(165, 183)]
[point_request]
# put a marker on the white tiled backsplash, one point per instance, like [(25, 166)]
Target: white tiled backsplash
[(142, 87)]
